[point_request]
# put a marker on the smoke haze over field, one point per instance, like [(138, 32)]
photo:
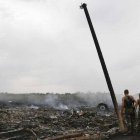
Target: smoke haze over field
[(46, 46), (59, 101)]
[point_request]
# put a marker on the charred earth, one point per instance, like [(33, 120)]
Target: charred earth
[(51, 117)]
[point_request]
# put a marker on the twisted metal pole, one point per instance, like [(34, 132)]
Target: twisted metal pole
[(110, 87)]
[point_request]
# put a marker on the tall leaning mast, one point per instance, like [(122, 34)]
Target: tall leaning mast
[(110, 87)]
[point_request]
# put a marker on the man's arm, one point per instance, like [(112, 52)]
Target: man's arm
[(122, 108), (136, 104)]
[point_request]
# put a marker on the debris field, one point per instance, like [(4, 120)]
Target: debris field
[(21, 122)]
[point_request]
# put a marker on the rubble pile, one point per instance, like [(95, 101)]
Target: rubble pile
[(43, 122)]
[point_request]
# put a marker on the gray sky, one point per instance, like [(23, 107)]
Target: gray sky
[(46, 46)]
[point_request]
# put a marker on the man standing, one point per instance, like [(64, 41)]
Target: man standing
[(130, 109), (138, 114)]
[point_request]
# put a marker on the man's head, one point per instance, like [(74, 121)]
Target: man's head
[(126, 92)]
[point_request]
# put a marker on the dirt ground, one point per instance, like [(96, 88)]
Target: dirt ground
[(120, 136)]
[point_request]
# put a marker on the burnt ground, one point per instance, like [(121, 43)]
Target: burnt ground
[(120, 136), (42, 122), (45, 117)]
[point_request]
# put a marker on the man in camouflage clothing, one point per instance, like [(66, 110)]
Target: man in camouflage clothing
[(139, 114), (130, 110)]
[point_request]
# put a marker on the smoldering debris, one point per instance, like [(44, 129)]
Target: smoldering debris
[(46, 123), (57, 120)]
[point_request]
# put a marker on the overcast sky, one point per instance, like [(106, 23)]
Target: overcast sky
[(46, 46)]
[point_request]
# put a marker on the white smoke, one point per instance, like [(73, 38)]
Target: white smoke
[(34, 107), (61, 106), (52, 101)]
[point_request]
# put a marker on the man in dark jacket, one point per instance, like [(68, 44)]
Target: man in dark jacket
[(128, 104)]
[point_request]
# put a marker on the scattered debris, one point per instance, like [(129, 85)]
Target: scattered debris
[(29, 122), (54, 117)]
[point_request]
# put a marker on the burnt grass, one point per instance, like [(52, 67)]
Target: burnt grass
[(45, 116)]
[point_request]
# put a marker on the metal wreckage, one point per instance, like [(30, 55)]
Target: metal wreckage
[(64, 120), (54, 119)]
